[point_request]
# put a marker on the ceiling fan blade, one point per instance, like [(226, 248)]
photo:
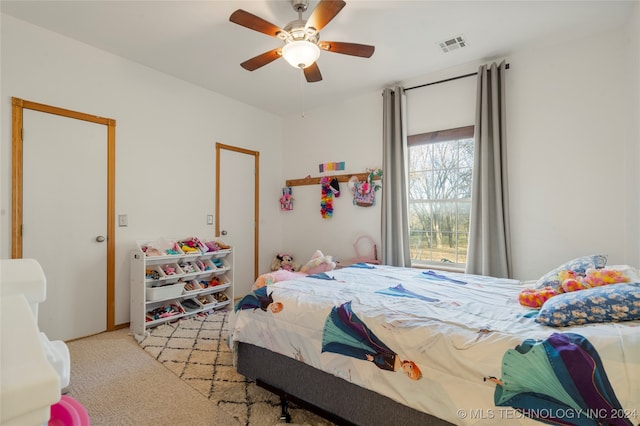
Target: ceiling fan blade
[(312, 73), (262, 59), (324, 12), (253, 22), (353, 49)]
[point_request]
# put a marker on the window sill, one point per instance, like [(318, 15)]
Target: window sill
[(439, 268)]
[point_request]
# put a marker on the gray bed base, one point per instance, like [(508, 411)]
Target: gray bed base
[(335, 399)]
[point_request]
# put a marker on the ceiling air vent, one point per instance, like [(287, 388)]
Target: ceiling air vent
[(452, 44)]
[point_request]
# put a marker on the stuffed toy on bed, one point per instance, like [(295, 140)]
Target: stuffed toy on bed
[(274, 277), (284, 261), (571, 281), (318, 263)]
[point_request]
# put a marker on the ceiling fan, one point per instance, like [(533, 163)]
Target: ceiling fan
[(301, 38)]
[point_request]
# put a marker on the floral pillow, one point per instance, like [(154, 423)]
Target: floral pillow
[(609, 303), (579, 265)]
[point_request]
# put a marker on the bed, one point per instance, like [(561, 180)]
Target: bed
[(374, 344)]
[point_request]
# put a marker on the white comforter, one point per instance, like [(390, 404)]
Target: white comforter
[(455, 327)]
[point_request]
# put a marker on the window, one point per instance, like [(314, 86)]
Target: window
[(440, 176)]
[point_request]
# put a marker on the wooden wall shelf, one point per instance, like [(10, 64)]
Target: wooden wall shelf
[(341, 178)]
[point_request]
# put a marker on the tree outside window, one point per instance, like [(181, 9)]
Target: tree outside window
[(440, 176)]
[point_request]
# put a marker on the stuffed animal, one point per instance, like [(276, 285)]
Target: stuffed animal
[(274, 277), (570, 281), (318, 263), (535, 298), (604, 276), (284, 261)]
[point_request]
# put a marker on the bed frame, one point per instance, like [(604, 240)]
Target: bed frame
[(328, 396)]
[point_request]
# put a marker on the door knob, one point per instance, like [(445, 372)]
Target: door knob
[(224, 232), (100, 239)]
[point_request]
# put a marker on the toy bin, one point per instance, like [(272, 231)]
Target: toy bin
[(172, 272), (189, 248), (194, 243), (154, 273), (159, 248), (160, 312), (191, 305), (205, 283), (190, 287), (166, 291), (205, 265), (220, 266), (221, 280), (217, 246), (215, 281), (189, 267), (207, 301), (221, 299)]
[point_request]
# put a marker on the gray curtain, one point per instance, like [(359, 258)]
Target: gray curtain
[(489, 246), (395, 177)]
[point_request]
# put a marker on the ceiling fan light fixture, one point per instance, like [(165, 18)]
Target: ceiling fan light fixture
[(301, 38), (301, 53)]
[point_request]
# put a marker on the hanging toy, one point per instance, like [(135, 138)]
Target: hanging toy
[(326, 202), (286, 201), (364, 193), (335, 187)]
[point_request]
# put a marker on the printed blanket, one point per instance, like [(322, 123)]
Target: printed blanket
[(447, 344)]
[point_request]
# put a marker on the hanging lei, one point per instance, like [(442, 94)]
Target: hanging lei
[(326, 203)]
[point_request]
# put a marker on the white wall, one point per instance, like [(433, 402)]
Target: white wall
[(165, 128), (633, 157), (348, 131), (568, 132), (570, 125), (441, 106)]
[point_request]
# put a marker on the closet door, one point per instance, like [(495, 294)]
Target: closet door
[(65, 220), (237, 213)]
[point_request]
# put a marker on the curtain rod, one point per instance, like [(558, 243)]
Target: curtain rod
[(446, 80)]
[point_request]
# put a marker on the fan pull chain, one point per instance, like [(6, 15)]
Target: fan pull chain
[(302, 84)]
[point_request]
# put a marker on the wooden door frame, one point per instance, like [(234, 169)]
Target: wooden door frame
[(256, 200), (18, 107)]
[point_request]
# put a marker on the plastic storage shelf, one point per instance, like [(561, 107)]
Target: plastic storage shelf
[(170, 284)]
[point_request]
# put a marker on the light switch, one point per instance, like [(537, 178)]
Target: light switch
[(122, 220), (209, 219)]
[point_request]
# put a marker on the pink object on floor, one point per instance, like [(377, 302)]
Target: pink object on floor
[(68, 412)]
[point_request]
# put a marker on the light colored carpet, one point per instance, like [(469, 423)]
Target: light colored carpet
[(120, 384), (195, 350)]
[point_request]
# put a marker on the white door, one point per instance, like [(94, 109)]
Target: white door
[(65, 220), (236, 214)]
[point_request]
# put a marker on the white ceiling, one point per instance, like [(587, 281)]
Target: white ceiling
[(194, 40)]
